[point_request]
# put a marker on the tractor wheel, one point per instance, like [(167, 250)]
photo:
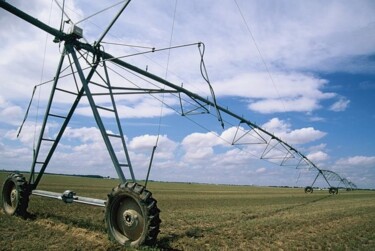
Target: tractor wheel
[(132, 216), (309, 190), (15, 195), (333, 190)]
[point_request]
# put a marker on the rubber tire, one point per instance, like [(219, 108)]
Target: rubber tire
[(309, 189), (137, 198), (333, 190), (15, 186)]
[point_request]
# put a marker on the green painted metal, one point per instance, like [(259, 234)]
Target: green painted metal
[(98, 119)]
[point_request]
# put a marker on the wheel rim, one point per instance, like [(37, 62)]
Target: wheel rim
[(10, 195), (13, 197), (308, 190), (128, 219)]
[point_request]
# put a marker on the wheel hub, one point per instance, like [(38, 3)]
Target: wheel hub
[(130, 218), (13, 197)]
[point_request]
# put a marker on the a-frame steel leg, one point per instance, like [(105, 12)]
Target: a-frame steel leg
[(98, 119), (32, 181)]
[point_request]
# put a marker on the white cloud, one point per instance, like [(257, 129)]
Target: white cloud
[(285, 85), (314, 35), (145, 107), (10, 156), (27, 136), (284, 92), (358, 169), (357, 161), (200, 140), (10, 113), (318, 156), (276, 125), (199, 146), (340, 105), (261, 170), (303, 135), (2, 101), (298, 136), (317, 148), (84, 134), (284, 105), (316, 119), (145, 143)]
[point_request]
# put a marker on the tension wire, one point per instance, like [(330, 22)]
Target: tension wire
[(163, 94), (260, 53), (105, 9)]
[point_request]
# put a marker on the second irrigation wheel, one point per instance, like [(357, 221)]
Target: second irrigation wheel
[(132, 216), (15, 195), (333, 190), (309, 189)]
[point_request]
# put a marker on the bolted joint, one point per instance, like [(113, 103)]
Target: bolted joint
[(68, 196)]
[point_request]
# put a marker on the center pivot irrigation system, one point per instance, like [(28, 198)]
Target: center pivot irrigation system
[(86, 70)]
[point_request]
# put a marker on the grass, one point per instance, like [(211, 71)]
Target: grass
[(201, 217)]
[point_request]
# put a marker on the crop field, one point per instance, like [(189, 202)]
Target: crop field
[(200, 217)]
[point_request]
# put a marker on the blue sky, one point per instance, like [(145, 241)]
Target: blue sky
[(303, 70)]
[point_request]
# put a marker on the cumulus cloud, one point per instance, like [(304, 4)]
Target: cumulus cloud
[(145, 107), (300, 104), (318, 156), (261, 170), (314, 35), (276, 125), (27, 136), (199, 146), (145, 143), (10, 113), (197, 140), (303, 135), (357, 161), (283, 130), (317, 148), (358, 169), (316, 119), (292, 91), (83, 134), (340, 105)]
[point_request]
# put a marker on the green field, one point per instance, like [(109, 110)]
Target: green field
[(201, 217)]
